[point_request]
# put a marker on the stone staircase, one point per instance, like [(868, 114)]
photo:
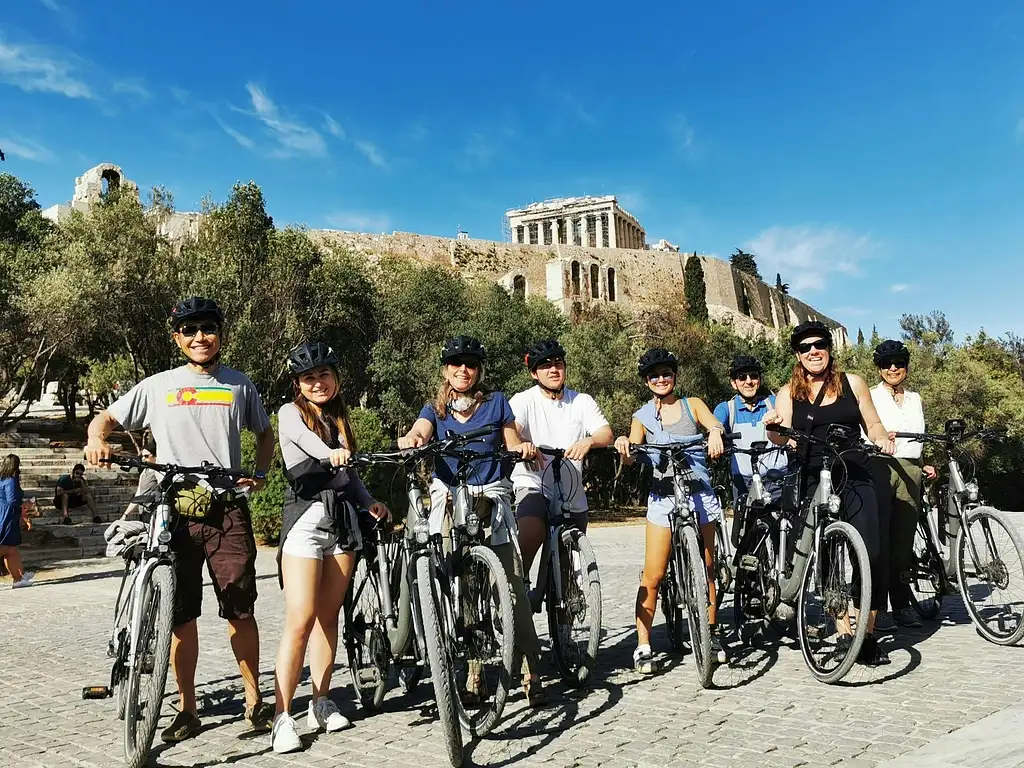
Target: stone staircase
[(49, 540)]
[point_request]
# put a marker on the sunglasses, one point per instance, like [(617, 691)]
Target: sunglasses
[(899, 362), (821, 345), (747, 377), (208, 329), (470, 362), (663, 375), (555, 362)]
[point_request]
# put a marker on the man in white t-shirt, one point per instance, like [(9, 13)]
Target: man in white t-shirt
[(550, 415), (899, 479)]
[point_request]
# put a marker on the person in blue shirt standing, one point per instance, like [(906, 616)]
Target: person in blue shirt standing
[(462, 405), (745, 414)]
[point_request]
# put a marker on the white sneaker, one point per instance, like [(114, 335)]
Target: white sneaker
[(284, 736), (324, 714), (26, 581)]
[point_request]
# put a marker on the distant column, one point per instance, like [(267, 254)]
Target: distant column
[(599, 227)]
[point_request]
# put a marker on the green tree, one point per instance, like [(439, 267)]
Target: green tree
[(696, 290), (860, 337), (745, 262), (932, 329), (783, 287)]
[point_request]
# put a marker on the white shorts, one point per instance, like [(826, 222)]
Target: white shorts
[(311, 538), (705, 503)]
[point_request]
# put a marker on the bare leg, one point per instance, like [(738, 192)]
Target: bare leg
[(301, 578), (184, 656), (532, 531), (657, 547), (92, 504), (63, 506), (244, 635), (707, 532), (12, 559), (323, 643)]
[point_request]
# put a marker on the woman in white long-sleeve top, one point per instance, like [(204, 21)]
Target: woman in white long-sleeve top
[(319, 536)]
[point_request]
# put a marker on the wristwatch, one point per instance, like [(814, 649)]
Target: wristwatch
[(259, 475)]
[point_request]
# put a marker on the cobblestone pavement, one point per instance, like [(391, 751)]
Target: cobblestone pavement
[(766, 709)]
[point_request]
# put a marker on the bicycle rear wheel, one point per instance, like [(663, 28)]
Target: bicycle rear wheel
[(993, 585), (724, 572), (574, 623), (927, 574), (832, 586), (673, 607), (147, 678), (486, 624), (119, 645), (438, 636), (756, 593), (693, 585), (366, 638)]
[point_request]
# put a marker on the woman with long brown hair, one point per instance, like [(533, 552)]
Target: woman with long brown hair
[(11, 499), (319, 536), (817, 396)]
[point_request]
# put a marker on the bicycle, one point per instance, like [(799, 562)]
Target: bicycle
[(811, 568), (685, 586), (455, 603), (568, 583), (934, 564), (140, 642)]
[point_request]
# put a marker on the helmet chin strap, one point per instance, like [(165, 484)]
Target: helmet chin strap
[(212, 362), (552, 390)]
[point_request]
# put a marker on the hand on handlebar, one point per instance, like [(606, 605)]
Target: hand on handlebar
[(340, 457), (251, 483), (527, 450), (578, 450), (771, 416), (930, 472), (404, 443), (379, 511), (623, 446), (98, 451), (715, 444), (887, 446)]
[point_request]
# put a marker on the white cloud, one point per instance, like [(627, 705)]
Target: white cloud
[(632, 201), (238, 136), (359, 221), (899, 288), (292, 137), (26, 149), (683, 136), (133, 87), (372, 153), (180, 95), (34, 68), (807, 257), (479, 150), (332, 127)]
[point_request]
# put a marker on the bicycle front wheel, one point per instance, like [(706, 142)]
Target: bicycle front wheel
[(927, 574), (487, 623), (693, 575), (837, 580), (366, 638), (437, 637), (574, 622), (992, 575), (148, 675)]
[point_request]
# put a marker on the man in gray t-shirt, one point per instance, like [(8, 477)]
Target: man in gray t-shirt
[(197, 413)]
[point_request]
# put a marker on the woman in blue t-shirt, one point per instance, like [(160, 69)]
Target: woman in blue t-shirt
[(463, 404)]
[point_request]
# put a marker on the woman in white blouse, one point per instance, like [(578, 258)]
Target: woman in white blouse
[(899, 478)]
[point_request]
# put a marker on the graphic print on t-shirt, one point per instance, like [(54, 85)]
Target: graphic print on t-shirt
[(200, 396)]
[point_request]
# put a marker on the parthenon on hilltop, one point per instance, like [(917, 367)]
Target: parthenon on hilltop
[(575, 252), (592, 222)]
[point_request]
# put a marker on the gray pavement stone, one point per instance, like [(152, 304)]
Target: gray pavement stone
[(766, 710)]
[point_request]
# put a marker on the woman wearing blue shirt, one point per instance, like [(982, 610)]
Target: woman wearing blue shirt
[(464, 404), (11, 498)]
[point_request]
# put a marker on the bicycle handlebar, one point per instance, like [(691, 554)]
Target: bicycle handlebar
[(127, 461), (946, 439)]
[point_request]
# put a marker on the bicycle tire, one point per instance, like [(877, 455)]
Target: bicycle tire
[(725, 576), (575, 663), (672, 607), (366, 639), (847, 531), (753, 606), (122, 612), (962, 553), (694, 586), (437, 657), (155, 632), (482, 723), (926, 566)]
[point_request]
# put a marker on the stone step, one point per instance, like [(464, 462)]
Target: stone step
[(107, 512), (67, 554)]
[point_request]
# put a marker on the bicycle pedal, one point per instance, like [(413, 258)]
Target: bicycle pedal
[(97, 692), (748, 563)]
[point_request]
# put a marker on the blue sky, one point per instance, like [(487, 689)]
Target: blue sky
[(871, 152)]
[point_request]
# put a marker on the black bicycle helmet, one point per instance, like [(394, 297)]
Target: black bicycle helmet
[(194, 308), (655, 357), (890, 349), (547, 349), (463, 346), (309, 355), (809, 328), (745, 363)]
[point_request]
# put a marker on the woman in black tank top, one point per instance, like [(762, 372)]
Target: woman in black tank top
[(817, 396)]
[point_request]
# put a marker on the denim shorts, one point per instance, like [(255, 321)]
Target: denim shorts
[(705, 503)]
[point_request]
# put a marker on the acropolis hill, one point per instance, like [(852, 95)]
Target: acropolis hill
[(564, 250)]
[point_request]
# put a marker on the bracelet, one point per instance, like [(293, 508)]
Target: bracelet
[(719, 428)]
